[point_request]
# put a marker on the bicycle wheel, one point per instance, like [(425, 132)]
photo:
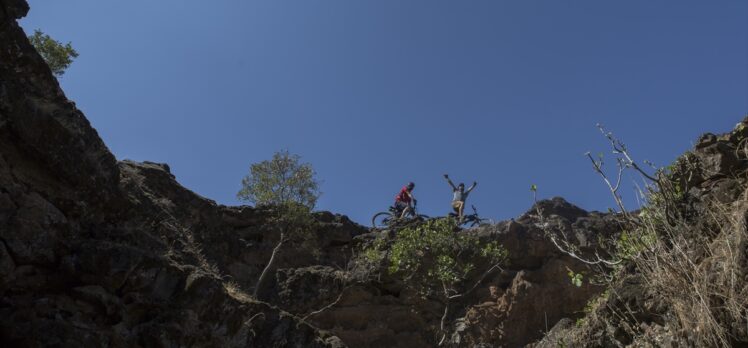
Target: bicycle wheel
[(481, 222), (381, 220)]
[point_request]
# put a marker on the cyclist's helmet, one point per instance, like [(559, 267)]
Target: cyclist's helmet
[(461, 185), (411, 185)]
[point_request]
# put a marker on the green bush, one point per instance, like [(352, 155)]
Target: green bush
[(58, 56), (435, 255)]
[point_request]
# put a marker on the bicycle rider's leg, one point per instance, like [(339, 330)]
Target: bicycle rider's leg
[(461, 207), (406, 211), (402, 208)]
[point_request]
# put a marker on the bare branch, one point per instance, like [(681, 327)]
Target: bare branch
[(598, 260), (480, 280), (621, 168), (613, 189), (333, 303), (567, 250)]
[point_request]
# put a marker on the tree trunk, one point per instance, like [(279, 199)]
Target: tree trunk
[(443, 325), (265, 272)]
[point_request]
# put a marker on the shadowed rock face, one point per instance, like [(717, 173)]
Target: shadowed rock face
[(100, 252), (510, 308), (90, 254)]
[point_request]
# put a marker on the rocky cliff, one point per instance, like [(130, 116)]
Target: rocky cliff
[(509, 308), (100, 252), (684, 282), (91, 253)]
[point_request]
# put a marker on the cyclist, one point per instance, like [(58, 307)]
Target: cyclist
[(404, 199), (459, 196)]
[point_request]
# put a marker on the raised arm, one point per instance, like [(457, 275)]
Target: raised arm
[(472, 186), (450, 182)]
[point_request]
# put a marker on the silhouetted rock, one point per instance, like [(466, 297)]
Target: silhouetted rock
[(98, 252), (92, 254)]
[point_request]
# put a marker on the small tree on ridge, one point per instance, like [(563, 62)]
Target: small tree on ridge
[(289, 186), (58, 56)]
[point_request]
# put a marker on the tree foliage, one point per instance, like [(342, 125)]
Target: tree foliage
[(436, 256), (280, 181), (437, 259), (58, 56), (290, 188)]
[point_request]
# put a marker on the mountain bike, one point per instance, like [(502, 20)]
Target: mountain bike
[(473, 219), (392, 217)]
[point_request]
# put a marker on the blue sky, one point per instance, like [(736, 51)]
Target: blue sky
[(378, 93)]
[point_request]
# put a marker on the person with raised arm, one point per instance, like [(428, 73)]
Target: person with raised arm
[(459, 195)]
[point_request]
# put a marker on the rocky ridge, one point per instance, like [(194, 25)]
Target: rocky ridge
[(84, 261), (689, 287), (100, 252)]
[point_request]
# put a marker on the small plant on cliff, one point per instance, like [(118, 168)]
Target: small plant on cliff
[(437, 260), (290, 188), (58, 56), (576, 278)]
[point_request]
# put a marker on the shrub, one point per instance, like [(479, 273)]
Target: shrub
[(58, 56)]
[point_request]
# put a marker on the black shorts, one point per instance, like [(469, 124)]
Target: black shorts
[(400, 205)]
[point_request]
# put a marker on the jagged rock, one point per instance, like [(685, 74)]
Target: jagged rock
[(661, 304), (97, 253), (15, 9), (35, 227), (507, 309), (705, 140), (556, 206), (522, 311), (551, 338), (718, 158), (309, 285)]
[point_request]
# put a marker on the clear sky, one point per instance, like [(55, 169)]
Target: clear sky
[(378, 93)]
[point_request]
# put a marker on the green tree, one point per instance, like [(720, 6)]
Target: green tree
[(290, 188), (437, 259), (58, 56), (280, 181)]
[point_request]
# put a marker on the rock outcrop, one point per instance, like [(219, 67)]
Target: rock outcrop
[(91, 253), (510, 308), (687, 283), (100, 252)]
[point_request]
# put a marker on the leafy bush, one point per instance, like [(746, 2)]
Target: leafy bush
[(437, 259), (438, 255), (58, 56)]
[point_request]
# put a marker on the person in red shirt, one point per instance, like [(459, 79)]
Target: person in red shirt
[(404, 200)]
